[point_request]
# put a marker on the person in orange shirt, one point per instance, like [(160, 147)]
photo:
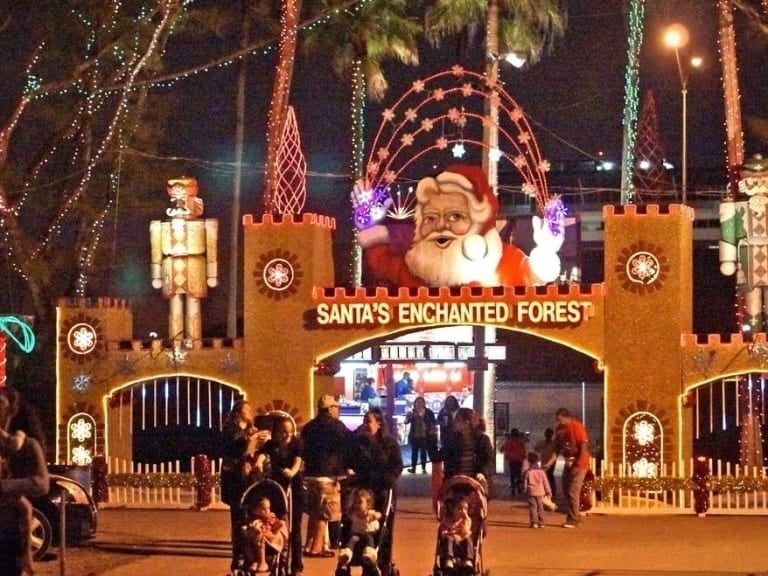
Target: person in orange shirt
[(572, 442)]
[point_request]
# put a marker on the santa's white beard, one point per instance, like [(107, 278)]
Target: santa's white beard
[(450, 266)]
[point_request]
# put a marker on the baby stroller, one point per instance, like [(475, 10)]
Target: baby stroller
[(382, 538), (280, 505), (475, 494)]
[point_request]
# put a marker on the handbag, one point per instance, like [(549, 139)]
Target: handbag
[(549, 504)]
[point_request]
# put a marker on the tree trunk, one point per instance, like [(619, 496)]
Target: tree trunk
[(491, 128), (734, 137), (234, 234), (280, 92)]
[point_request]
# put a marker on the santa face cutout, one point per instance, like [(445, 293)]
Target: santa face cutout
[(445, 249), (445, 217)]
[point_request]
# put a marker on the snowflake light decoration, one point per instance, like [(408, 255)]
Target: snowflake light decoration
[(644, 432), (82, 338), (229, 364), (81, 382), (177, 356), (278, 273), (81, 430), (642, 267), (81, 456), (644, 469)]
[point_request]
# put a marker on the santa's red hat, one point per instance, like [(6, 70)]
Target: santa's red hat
[(473, 182)]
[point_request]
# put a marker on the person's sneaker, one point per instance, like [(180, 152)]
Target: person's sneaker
[(569, 525), (449, 564), (469, 564), (534, 525)]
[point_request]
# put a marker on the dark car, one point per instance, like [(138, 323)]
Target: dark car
[(80, 515)]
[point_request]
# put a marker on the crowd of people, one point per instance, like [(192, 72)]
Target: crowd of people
[(316, 465), (532, 472), (326, 460)]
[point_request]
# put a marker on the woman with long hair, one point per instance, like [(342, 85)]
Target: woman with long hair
[(27, 477), (240, 439), (377, 464), (468, 450)]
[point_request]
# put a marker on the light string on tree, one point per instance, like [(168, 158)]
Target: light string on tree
[(79, 132), (278, 106), (734, 142), (358, 157), (631, 98), (262, 48)]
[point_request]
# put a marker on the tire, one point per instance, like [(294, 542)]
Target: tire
[(42, 535)]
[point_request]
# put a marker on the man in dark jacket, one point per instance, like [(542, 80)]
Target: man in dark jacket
[(326, 458)]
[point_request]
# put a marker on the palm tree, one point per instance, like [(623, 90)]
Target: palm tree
[(358, 43), (526, 28)]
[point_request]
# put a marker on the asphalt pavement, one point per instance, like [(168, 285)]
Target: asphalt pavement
[(189, 542)]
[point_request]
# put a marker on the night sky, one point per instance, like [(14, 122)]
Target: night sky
[(574, 99)]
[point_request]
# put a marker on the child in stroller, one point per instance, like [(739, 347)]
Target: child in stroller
[(456, 534), (363, 528), (462, 511), (265, 536), (264, 530)]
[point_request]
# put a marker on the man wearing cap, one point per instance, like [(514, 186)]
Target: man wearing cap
[(455, 241), (326, 458)]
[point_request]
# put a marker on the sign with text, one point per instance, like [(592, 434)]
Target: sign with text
[(523, 312)]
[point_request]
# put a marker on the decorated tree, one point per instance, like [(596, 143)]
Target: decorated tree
[(358, 42), (524, 29)]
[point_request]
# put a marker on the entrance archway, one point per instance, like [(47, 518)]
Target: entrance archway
[(168, 418)]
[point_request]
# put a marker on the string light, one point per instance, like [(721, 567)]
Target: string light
[(414, 116), (734, 143), (631, 98)]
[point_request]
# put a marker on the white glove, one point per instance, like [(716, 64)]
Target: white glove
[(544, 261)]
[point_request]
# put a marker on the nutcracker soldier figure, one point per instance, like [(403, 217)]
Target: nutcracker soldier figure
[(184, 258), (744, 241)]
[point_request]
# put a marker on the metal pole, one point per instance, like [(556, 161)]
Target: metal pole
[(685, 141), (684, 94)]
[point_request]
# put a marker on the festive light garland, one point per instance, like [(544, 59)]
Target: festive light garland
[(631, 98), (717, 484)]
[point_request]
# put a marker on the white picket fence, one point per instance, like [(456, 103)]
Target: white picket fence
[(169, 488), (734, 490)]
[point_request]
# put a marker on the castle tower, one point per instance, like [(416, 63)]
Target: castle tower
[(284, 263), (85, 327), (648, 305)]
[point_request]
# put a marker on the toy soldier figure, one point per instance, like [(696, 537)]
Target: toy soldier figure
[(184, 258), (744, 240)]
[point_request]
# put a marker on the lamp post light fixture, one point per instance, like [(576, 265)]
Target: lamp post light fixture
[(676, 37)]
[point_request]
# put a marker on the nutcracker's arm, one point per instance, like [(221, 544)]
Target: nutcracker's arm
[(156, 242), (211, 258), (728, 245)]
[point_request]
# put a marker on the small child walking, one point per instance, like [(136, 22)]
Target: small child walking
[(536, 487), (364, 523), (456, 547), (265, 536)]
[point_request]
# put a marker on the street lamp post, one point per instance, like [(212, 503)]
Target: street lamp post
[(676, 37)]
